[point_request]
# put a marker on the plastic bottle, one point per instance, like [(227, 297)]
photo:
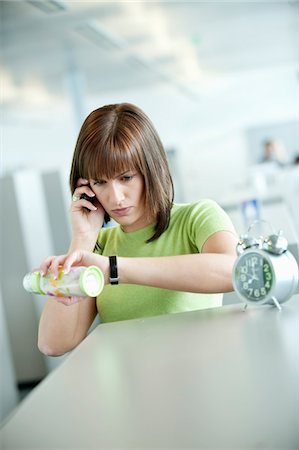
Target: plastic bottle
[(80, 281)]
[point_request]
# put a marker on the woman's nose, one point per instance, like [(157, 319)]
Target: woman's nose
[(116, 193)]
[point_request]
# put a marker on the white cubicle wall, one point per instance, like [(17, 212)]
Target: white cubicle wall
[(8, 391), (278, 217), (20, 312), (57, 201), (34, 225)]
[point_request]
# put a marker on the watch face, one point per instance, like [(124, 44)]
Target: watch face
[(253, 276)]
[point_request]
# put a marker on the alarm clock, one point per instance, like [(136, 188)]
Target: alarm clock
[(265, 272)]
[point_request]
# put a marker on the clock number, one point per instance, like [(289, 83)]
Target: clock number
[(254, 277)]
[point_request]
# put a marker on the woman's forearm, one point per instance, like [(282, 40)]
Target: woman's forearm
[(206, 272), (63, 327), (200, 272), (84, 242)]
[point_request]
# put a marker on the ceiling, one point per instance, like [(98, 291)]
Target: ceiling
[(128, 44)]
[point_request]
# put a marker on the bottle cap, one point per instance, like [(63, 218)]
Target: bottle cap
[(91, 281), (31, 282)]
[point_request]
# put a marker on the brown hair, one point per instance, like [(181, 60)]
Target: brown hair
[(117, 138)]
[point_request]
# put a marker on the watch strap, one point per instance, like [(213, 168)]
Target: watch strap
[(114, 279)]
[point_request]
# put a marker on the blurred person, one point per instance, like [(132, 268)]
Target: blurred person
[(275, 152), (290, 190), (296, 160), (266, 175), (170, 257)]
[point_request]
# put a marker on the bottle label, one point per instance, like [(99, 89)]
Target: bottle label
[(80, 281)]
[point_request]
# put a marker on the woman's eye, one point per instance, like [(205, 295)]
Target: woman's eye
[(99, 183), (127, 177)]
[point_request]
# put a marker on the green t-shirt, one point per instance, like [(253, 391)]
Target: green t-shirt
[(189, 228)]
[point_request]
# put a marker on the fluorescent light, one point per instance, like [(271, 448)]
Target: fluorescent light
[(139, 61), (48, 6), (97, 34)]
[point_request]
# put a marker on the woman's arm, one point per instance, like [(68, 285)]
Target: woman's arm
[(61, 327), (207, 272), (65, 321)]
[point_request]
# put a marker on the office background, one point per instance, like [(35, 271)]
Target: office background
[(216, 78)]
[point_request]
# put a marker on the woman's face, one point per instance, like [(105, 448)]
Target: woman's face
[(122, 197)]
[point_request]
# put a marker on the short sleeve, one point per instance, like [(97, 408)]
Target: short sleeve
[(207, 218)]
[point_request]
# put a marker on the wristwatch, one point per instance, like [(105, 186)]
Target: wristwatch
[(114, 278)]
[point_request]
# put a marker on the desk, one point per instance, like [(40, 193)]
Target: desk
[(219, 378)]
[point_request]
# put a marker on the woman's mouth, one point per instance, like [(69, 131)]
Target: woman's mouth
[(121, 211)]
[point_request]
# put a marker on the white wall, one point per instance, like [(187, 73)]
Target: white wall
[(207, 129), (8, 391)]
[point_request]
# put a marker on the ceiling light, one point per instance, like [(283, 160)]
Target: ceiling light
[(138, 61), (97, 34), (48, 6)]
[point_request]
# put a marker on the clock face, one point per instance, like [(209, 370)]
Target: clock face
[(253, 276)]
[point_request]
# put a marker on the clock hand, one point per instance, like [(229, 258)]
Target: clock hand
[(253, 278)]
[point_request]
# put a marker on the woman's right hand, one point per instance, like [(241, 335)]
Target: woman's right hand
[(87, 217), (69, 301), (52, 265)]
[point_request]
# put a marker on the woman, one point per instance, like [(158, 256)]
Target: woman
[(161, 258)]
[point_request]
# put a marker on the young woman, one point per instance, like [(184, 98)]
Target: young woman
[(169, 258)]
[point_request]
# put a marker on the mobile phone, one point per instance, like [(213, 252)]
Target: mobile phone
[(92, 200)]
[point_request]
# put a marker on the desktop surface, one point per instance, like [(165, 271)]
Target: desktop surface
[(218, 378)]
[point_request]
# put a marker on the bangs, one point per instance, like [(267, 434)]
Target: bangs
[(109, 160)]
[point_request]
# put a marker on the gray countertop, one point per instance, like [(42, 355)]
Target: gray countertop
[(218, 378)]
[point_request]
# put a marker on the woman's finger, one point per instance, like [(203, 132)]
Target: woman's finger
[(44, 267), (68, 301), (82, 181), (83, 190), (56, 263), (83, 186), (79, 203), (74, 258)]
